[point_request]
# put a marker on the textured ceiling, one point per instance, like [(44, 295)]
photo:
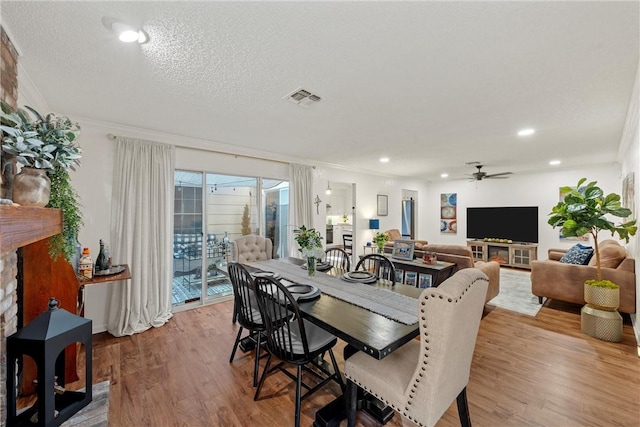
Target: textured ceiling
[(432, 85)]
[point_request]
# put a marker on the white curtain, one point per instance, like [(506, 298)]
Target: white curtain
[(141, 223), (301, 179)]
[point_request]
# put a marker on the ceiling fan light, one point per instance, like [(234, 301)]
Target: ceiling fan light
[(129, 36), (125, 32)]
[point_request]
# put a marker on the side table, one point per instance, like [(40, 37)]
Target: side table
[(123, 275)]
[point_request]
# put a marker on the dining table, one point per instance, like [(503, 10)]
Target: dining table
[(376, 318)]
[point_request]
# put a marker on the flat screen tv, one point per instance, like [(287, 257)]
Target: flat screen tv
[(517, 223)]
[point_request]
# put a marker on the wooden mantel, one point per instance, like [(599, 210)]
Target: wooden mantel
[(21, 225)]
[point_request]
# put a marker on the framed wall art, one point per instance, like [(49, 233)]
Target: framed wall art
[(399, 276), (424, 280), (410, 278), (403, 249), (383, 205), (448, 213)]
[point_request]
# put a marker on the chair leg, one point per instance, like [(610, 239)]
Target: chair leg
[(298, 394), (256, 366), (539, 300), (262, 378), (350, 397), (336, 370), (235, 345), (463, 408)]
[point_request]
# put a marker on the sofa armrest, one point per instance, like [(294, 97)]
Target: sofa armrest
[(492, 270), (565, 282), (555, 253)]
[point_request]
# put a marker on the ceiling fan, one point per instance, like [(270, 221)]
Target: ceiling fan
[(479, 176)]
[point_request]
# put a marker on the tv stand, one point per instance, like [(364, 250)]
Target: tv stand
[(516, 254)]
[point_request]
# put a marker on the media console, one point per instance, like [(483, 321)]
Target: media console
[(517, 254)]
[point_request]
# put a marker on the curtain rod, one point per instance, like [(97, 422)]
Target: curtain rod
[(113, 137)]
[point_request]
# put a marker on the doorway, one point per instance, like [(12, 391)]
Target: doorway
[(409, 214), (340, 213)]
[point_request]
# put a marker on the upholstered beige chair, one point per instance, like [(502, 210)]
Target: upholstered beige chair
[(251, 248), (422, 378)]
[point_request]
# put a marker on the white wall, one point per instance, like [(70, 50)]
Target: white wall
[(629, 156), (540, 190)]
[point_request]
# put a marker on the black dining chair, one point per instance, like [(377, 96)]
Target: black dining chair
[(246, 312), (378, 264), (294, 341), (347, 243), (338, 258)]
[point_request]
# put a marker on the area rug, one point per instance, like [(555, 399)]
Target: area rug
[(515, 293), (96, 413)]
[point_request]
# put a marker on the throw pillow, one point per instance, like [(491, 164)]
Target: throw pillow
[(578, 254), (611, 254)]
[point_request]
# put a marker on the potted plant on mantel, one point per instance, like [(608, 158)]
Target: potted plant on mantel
[(47, 148), (584, 211)]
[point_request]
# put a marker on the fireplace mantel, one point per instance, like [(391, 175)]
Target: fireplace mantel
[(21, 225)]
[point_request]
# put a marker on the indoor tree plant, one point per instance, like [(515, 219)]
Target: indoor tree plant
[(310, 245), (47, 147), (584, 211)]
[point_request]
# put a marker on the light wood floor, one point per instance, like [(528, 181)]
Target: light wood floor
[(526, 371)]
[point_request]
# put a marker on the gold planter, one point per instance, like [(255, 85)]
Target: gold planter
[(603, 298), (599, 318), (602, 324)]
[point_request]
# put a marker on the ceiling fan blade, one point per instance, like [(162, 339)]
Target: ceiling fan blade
[(498, 175)]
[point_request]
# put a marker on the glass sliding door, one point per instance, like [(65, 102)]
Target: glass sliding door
[(275, 202), (231, 209), (187, 237), (212, 210)]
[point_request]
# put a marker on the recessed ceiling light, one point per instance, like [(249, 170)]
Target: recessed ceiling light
[(384, 160), (526, 132), (555, 162), (125, 32), (444, 175)]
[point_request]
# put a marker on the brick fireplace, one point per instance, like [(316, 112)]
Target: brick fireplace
[(8, 256)]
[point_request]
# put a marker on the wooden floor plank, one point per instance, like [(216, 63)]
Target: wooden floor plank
[(526, 371)]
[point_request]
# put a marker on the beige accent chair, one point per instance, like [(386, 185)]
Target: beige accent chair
[(251, 248), (463, 257), (553, 279), (422, 378)]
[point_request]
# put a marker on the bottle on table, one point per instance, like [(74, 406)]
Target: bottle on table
[(86, 264), (107, 255), (102, 262)]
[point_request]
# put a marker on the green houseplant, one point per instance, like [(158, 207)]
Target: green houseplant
[(310, 245), (246, 218), (380, 239), (587, 210), (46, 144)]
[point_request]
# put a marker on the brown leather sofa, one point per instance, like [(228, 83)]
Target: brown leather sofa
[(463, 258), (565, 282)]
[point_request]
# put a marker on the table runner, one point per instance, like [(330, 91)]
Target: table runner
[(389, 304)]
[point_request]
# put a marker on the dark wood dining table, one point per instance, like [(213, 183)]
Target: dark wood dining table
[(362, 330)]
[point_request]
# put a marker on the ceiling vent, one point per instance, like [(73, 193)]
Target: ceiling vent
[(302, 97)]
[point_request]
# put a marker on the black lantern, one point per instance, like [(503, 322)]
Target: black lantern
[(44, 340)]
